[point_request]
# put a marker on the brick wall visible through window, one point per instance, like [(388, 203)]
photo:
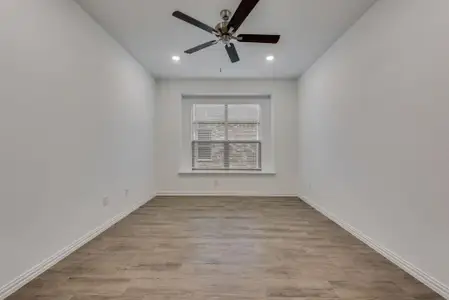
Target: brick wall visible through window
[(226, 136)]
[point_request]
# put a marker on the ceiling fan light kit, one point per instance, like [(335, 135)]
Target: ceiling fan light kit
[(225, 31)]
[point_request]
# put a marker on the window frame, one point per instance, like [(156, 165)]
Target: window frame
[(266, 130)]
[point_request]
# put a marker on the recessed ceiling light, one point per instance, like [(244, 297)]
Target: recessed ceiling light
[(176, 58), (270, 58)]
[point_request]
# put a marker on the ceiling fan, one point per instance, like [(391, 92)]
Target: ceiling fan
[(225, 31)]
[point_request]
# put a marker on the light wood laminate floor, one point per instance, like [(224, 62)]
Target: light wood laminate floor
[(225, 248)]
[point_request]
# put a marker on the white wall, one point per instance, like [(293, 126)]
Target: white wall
[(75, 125), (168, 139), (374, 130)]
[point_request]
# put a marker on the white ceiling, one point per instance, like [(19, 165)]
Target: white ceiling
[(147, 29)]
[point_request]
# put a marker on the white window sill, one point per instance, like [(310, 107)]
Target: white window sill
[(230, 172)]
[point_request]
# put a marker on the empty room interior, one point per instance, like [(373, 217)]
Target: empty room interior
[(224, 149)]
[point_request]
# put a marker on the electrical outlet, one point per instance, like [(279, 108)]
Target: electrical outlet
[(105, 201)]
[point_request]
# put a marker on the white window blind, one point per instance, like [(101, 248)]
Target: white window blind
[(204, 150), (226, 137)]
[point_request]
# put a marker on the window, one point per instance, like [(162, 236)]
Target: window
[(231, 134), (226, 137)]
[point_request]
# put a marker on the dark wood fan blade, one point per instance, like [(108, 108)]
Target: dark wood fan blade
[(194, 22), (232, 52), (259, 38), (199, 47), (244, 9)]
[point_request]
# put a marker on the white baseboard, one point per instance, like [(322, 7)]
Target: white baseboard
[(408, 267), (224, 194), (46, 264)]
